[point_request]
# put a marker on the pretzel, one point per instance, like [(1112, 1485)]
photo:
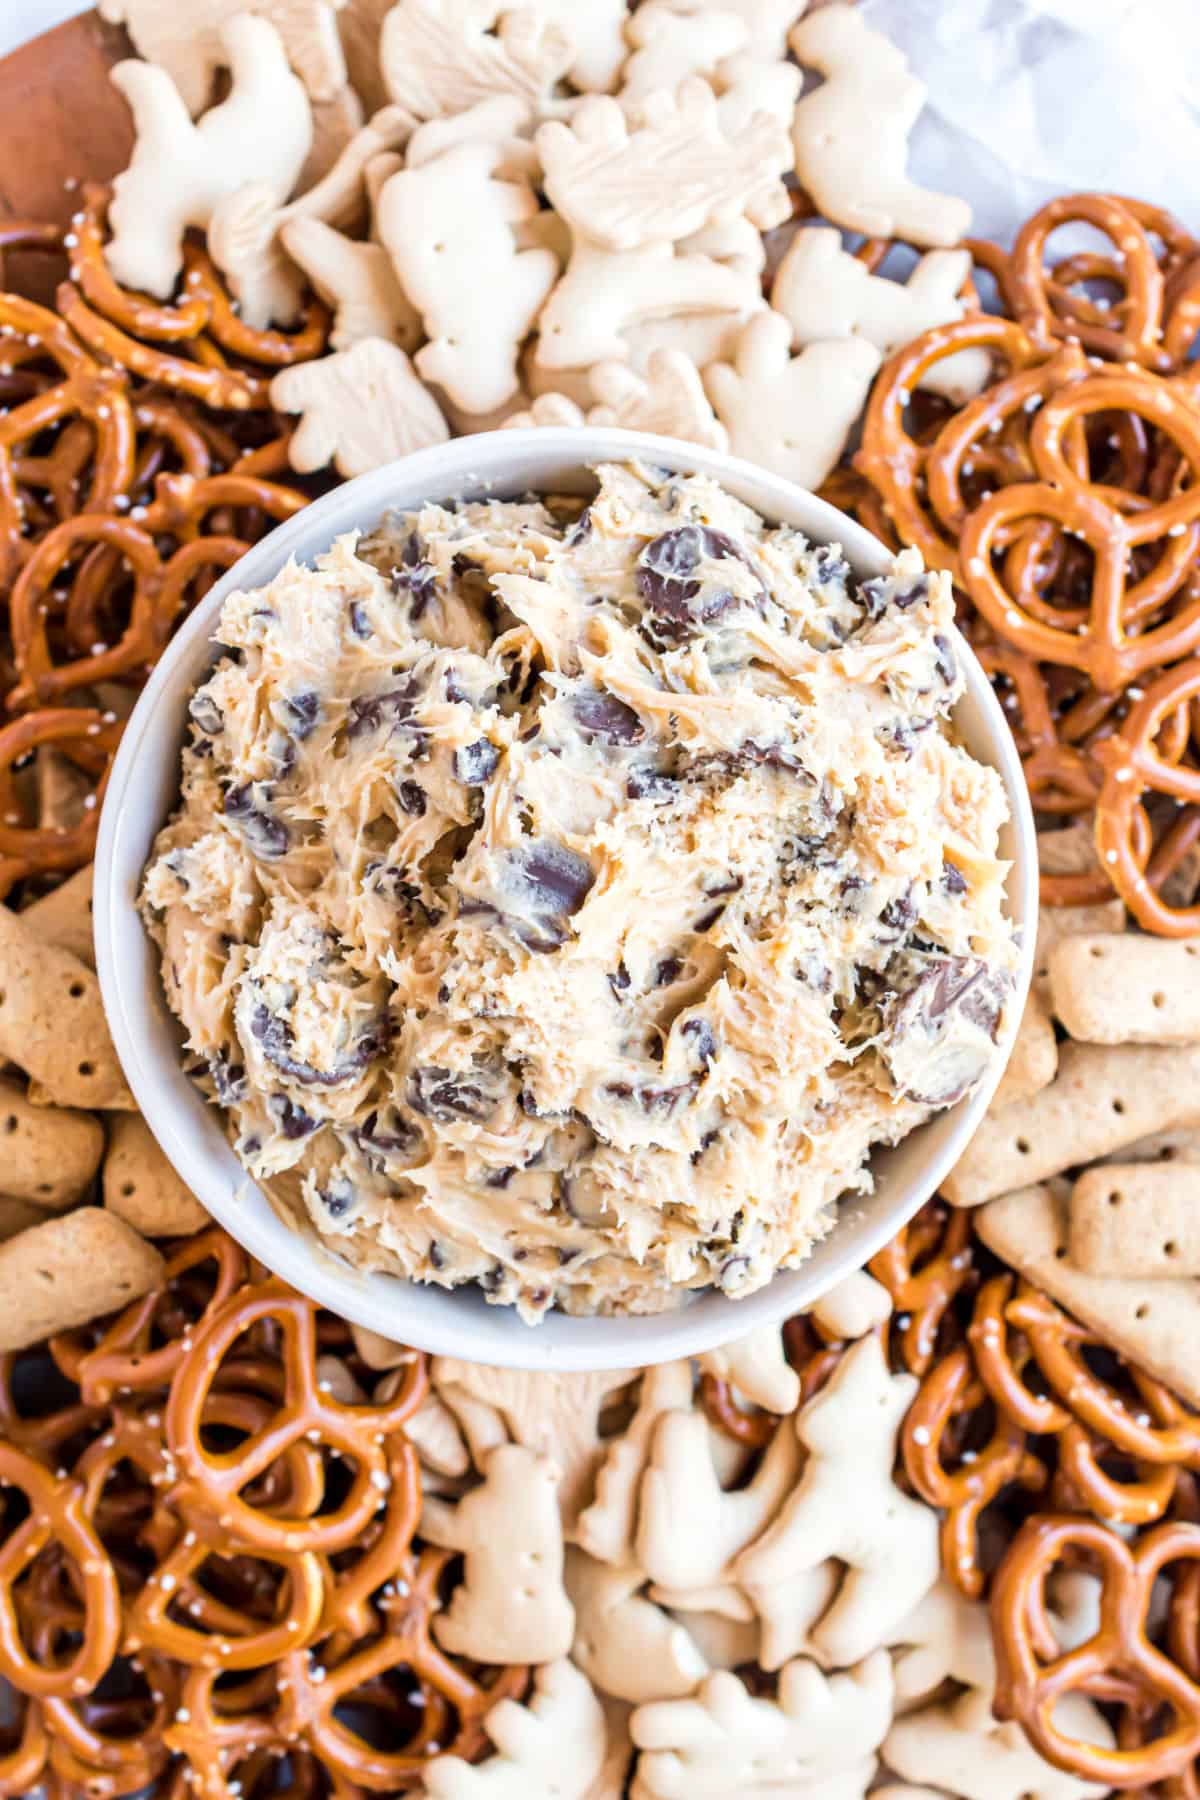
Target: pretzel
[(1082, 1482), (56, 1517), (161, 585), (135, 313), (948, 1397), (84, 1743), (209, 378), (1133, 766), (1032, 1674), (923, 1268), (754, 1429), (25, 849), (23, 1750), (212, 1483)]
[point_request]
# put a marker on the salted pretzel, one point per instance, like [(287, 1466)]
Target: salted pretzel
[(948, 1401), (29, 848), (23, 1748), (213, 1483), (1134, 767), (1033, 1674), (923, 1268), (754, 1429)]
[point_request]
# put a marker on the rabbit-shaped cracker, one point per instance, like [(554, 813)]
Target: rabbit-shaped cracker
[(448, 227), (827, 293), (667, 177), (789, 413), (180, 171), (441, 56), (184, 38), (851, 134)]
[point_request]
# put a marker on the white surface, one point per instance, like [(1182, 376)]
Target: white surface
[(143, 789)]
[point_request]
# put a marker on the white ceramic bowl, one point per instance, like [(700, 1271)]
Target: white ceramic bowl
[(143, 789)]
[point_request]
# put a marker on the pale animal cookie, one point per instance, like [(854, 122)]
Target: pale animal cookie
[(185, 40), (672, 175), (690, 1532), (357, 279), (766, 21), (626, 1645), (180, 171), (434, 1435), (791, 414), (725, 1742), (360, 408), (554, 1747), (853, 1306), (946, 1637), (448, 227), (597, 33), (846, 1506), (505, 120), (607, 1527), (723, 1643), (825, 292), (961, 1748), (606, 295), (757, 1366), (442, 56), (245, 231), (334, 124), (549, 412), (1152, 1322), (556, 1415), (511, 1606), (745, 86), (850, 135), (668, 399), (670, 48)]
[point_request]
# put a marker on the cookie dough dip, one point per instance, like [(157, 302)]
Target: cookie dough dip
[(567, 898)]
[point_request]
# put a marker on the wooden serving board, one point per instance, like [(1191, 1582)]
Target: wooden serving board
[(61, 121)]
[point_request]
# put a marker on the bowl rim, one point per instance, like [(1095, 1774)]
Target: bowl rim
[(167, 1098)]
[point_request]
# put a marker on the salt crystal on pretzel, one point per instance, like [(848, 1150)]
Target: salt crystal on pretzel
[(851, 134), (627, 1646), (1101, 1098), (1154, 1323), (180, 170), (187, 42), (50, 1154), (141, 1186), (791, 414), (510, 1520), (69, 1270), (846, 1506), (359, 408), (826, 292), (820, 1731), (557, 1743), (441, 56), (674, 174), (448, 227)]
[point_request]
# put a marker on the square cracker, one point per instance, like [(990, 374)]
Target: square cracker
[(1156, 1324), (1136, 1220)]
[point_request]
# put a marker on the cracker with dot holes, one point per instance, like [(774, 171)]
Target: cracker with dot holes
[(141, 1186), (1103, 1096), (64, 917), (1155, 1323), (52, 1022), (50, 1154), (180, 170), (1033, 1060), (74, 1268), (1127, 988), (1140, 1220)]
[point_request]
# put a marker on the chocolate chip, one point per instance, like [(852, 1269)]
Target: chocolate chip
[(554, 884), (415, 577), (206, 714), (701, 1039), (292, 1120), (303, 711), (668, 971), (274, 1034), (681, 605), (371, 712), (953, 879), (476, 763), (447, 1097), (649, 784), (618, 981), (601, 715), (360, 623), (265, 836), (228, 1079), (947, 663), (581, 530), (411, 796), (338, 1197)]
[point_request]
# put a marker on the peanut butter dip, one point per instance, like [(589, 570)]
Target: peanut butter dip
[(567, 898)]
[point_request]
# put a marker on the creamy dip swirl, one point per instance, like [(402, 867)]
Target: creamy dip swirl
[(567, 898)]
